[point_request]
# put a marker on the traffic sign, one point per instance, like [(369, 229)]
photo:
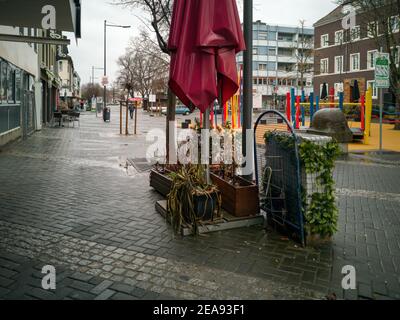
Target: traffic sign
[(382, 70), (104, 81), (152, 98)]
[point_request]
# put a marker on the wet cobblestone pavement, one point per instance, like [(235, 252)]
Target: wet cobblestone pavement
[(66, 199)]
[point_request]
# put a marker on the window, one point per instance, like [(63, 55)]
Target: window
[(372, 29), (338, 88), (3, 82), (262, 35), (255, 51), (262, 67), (324, 66), (60, 66), (11, 85), (321, 87), (355, 62), (374, 89), (394, 24), (371, 59), (339, 37), (18, 85), (272, 51), (355, 33), (325, 40), (339, 64)]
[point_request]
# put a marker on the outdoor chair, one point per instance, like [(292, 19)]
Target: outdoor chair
[(75, 117), (59, 118)]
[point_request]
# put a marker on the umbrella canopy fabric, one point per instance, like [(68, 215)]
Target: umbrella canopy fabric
[(204, 40), (324, 93), (356, 92)]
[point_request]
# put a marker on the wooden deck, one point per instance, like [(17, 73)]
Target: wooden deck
[(228, 222)]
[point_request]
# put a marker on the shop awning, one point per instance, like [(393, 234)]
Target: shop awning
[(22, 13)]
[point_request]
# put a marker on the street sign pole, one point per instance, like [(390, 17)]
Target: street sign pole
[(381, 103), (382, 81)]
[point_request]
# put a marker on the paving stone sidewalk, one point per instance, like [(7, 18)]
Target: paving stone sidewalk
[(67, 199)]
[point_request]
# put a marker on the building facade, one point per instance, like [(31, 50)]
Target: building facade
[(29, 81), (19, 70), (70, 80), (282, 59), (344, 56), (49, 78)]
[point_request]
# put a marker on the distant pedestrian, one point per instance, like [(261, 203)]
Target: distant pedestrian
[(131, 110)]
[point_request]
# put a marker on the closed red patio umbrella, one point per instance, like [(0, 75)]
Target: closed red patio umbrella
[(204, 39)]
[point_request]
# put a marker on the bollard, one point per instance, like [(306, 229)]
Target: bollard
[(363, 113), (332, 97), (288, 106), (293, 104), (311, 107), (120, 117), (341, 100), (298, 112)]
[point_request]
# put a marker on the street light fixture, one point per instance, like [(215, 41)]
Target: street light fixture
[(105, 53)]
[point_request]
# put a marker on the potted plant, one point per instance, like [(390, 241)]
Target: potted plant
[(317, 161), (191, 200), (160, 179), (240, 197)]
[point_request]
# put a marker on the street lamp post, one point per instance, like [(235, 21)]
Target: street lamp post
[(105, 54)]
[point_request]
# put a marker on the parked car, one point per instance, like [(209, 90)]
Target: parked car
[(180, 110)]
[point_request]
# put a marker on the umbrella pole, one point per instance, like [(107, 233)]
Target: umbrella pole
[(248, 87), (206, 144)]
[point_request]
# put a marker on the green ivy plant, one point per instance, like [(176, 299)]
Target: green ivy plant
[(321, 212)]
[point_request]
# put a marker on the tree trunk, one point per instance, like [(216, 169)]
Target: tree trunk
[(171, 112)]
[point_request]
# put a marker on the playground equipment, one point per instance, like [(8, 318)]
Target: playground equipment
[(296, 110)]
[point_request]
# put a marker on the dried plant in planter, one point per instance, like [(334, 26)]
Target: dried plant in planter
[(191, 200)]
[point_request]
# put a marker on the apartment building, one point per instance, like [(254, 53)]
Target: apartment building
[(344, 56), (282, 59), (69, 77)]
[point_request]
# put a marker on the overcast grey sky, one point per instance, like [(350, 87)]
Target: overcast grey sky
[(89, 51)]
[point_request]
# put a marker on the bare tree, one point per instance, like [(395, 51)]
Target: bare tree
[(304, 54), (159, 15), (141, 68), (381, 20), (90, 90), (126, 77)]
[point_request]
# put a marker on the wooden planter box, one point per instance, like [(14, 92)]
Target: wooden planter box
[(160, 182), (240, 201)]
